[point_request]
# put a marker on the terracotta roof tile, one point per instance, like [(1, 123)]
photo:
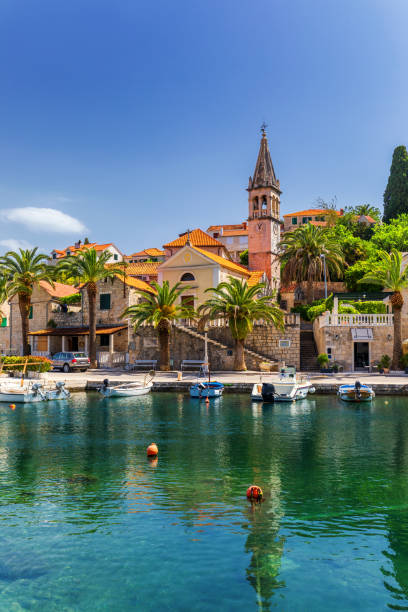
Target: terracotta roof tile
[(147, 253), (224, 263), (256, 277), (146, 267), (236, 226), (310, 211), (136, 283), (240, 232), (58, 290), (198, 238)]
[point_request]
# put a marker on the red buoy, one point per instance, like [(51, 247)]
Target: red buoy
[(254, 493), (13, 406), (152, 450)]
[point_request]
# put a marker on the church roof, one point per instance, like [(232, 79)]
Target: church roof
[(264, 174), (224, 263), (197, 238)]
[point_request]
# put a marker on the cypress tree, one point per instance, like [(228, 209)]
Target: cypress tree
[(396, 192)]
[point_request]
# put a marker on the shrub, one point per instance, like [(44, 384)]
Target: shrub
[(322, 359), (404, 360), (385, 362), (75, 298), (52, 323), (316, 311), (370, 307), (347, 309), (303, 310), (36, 364)]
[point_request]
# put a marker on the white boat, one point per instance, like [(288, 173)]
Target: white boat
[(58, 393), (206, 389), (286, 386), (356, 393), (15, 393), (128, 389)]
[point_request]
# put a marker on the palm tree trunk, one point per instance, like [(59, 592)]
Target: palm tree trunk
[(239, 360), (309, 291), (163, 330), (91, 290), (24, 303), (397, 349)]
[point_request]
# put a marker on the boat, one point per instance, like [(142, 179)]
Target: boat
[(209, 389), (58, 393), (287, 386), (16, 393), (128, 389), (356, 393)]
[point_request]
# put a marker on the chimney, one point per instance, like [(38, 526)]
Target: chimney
[(78, 244)]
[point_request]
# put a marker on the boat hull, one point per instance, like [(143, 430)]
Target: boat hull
[(203, 390), (299, 392), (126, 391), (349, 393), (24, 397)]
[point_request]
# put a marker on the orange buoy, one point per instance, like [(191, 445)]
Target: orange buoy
[(13, 406), (152, 450), (254, 493)]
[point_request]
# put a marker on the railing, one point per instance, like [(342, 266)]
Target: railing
[(290, 319), (107, 359), (356, 320)]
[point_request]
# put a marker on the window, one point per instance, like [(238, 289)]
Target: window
[(284, 304), (3, 322), (104, 301), (330, 353), (306, 219), (294, 220), (320, 218), (255, 203), (115, 256), (104, 340), (187, 276), (264, 202), (30, 314), (54, 256)]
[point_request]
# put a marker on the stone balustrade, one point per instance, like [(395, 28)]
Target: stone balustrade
[(355, 320)]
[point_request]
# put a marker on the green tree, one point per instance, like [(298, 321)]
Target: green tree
[(23, 271), (392, 235), (241, 306), (160, 310), (353, 247), (390, 274), (87, 268), (243, 257), (367, 210), (4, 294), (301, 252), (396, 192)]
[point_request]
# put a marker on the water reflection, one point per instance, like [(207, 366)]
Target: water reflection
[(335, 479)]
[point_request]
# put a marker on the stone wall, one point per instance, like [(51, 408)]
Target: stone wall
[(318, 292), (263, 340), (4, 338)]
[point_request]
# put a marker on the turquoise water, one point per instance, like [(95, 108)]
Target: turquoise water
[(88, 523)]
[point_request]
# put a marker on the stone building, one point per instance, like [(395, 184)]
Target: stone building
[(234, 237), (147, 255), (115, 253)]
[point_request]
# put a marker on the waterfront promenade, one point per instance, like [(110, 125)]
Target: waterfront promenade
[(383, 384)]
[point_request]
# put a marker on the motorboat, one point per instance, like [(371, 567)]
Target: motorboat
[(287, 386), (58, 393), (128, 389), (15, 393), (356, 393), (208, 389)]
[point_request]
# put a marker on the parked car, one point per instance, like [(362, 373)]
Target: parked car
[(70, 361)]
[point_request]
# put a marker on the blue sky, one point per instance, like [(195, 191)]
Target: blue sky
[(137, 120)]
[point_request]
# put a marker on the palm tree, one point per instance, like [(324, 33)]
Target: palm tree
[(161, 310), (389, 274), (23, 271), (367, 210), (301, 256), (87, 268), (241, 306), (4, 295)]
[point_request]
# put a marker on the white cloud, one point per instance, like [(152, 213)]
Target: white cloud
[(43, 219), (13, 244)]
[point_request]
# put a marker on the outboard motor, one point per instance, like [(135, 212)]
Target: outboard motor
[(105, 383), (36, 388), (60, 386), (357, 389), (268, 392)]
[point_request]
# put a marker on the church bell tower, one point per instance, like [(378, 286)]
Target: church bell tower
[(263, 217)]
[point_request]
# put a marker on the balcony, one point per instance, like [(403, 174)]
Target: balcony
[(356, 320)]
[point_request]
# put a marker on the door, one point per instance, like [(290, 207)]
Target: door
[(361, 355)]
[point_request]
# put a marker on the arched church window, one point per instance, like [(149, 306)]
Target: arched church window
[(187, 276), (264, 204), (255, 203)]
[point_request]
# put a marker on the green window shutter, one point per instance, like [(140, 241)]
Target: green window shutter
[(4, 322), (115, 257), (30, 314), (294, 220), (104, 301)]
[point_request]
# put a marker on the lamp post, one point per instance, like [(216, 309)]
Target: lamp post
[(323, 256)]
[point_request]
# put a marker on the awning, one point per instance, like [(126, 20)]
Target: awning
[(362, 334), (78, 331)]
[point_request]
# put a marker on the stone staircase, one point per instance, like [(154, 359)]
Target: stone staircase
[(256, 357), (308, 351)]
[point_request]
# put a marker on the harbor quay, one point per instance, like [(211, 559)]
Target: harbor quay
[(234, 382)]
